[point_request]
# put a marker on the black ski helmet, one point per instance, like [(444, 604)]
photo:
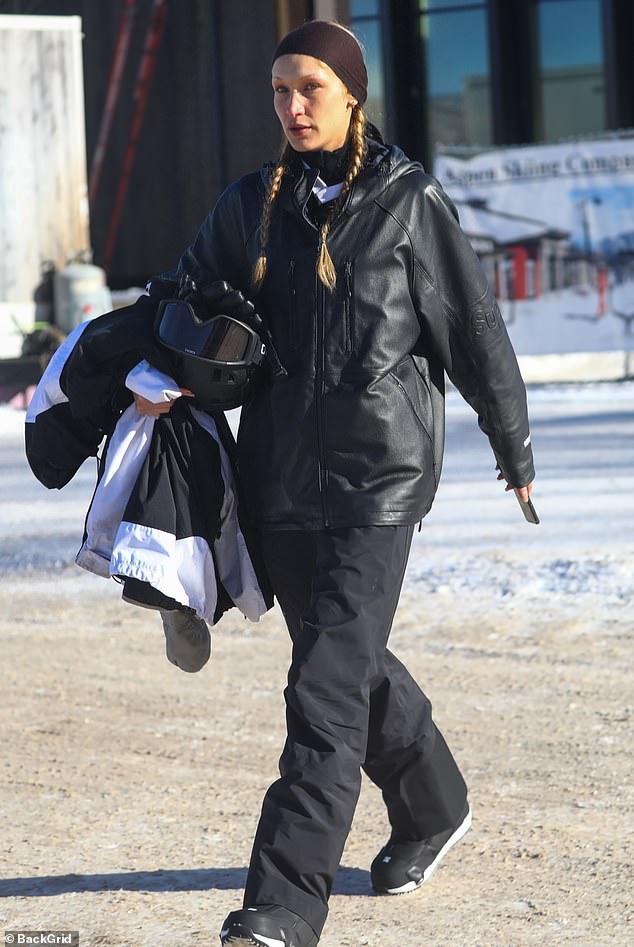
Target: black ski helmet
[(215, 358)]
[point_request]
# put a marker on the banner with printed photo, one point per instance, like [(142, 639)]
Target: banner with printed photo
[(554, 228)]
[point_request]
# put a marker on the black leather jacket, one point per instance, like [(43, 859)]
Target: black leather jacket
[(354, 435)]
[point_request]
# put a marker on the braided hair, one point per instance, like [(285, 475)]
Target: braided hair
[(325, 268)]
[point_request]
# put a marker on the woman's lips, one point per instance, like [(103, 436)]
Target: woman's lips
[(299, 131)]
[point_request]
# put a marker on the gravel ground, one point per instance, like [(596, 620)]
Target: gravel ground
[(130, 791)]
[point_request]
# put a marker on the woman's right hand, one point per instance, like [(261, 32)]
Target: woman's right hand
[(151, 409)]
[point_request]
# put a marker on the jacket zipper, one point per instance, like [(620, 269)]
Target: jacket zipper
[(347, 308), (320, 385), (292, 308)]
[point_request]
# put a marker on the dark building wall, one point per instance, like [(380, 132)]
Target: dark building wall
[(249, 36), (208, 119)]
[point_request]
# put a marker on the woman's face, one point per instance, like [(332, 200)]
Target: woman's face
[(311, 102)]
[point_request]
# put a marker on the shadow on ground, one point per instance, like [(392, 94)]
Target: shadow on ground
[(349, 881)]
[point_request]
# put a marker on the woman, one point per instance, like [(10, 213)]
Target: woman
[(355, 260)]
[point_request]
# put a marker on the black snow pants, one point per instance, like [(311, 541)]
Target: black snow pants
[(350, 704)]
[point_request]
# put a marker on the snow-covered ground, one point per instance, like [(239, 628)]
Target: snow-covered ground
[(572, 320), (474, 548)]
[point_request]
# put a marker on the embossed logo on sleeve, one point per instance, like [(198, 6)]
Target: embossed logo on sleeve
[(482, 320)]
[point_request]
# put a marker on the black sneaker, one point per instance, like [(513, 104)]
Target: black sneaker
[(403, 866), (267, 926)]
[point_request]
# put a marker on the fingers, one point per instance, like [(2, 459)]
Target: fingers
[(221, 296), (524, 492), (214, 292), (222, 299), (234, 304), (150, 409)]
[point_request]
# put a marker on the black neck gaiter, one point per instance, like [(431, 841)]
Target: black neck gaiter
[(332, 165)]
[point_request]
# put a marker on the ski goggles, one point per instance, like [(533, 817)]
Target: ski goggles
[(221, 339)]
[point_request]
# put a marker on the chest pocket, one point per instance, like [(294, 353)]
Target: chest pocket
[(291, 304)]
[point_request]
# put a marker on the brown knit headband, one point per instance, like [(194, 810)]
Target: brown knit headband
[(333, 45)]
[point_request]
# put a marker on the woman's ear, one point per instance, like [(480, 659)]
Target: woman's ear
[(351, 101)]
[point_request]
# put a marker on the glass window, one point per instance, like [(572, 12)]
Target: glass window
[(363, 8), (369, 32), (443, 4), (365, 20), (456, 78), (571, 87)]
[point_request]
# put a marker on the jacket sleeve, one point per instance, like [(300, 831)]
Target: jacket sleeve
[(462, 323), (56, 442)]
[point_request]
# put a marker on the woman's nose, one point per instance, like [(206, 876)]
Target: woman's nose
[(295, 104)]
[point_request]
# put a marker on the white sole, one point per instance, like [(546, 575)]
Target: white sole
[(462, 829), (250, 942)]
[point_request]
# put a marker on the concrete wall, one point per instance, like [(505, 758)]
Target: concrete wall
[(43, 203)]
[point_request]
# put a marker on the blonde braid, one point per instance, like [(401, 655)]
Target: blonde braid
[(275, 182), (325, 267)]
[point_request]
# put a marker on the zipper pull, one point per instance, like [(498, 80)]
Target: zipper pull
[(348, 274)]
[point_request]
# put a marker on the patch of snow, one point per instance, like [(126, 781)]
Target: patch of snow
[(475, 551)]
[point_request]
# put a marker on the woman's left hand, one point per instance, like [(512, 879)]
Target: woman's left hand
[(522, 492)]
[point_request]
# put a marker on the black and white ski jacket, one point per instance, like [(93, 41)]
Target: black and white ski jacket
[(165, 517)]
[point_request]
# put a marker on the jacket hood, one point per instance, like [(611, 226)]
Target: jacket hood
[(384, 164)]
